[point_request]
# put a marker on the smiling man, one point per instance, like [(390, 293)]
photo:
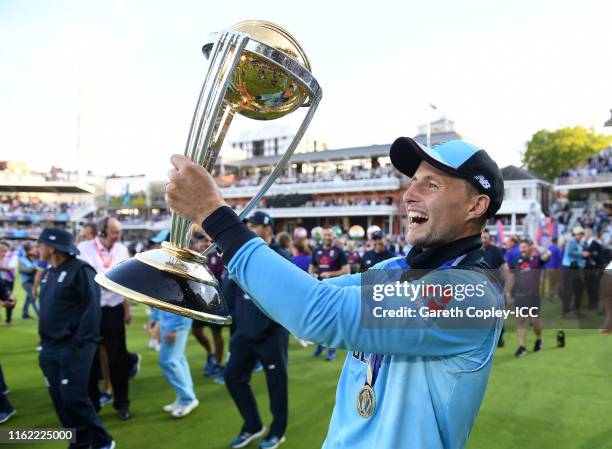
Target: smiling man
[(417, 383)]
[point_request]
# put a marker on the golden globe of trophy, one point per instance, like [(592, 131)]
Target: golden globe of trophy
[(256, 69)]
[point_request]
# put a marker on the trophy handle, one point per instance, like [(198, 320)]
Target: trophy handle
[(280, 166), (205, 135)]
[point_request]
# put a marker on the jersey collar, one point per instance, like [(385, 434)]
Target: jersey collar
[(433, 258)]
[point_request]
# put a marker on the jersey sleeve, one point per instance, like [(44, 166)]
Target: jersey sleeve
[(331, 313)]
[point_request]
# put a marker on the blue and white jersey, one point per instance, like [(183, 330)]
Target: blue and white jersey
[(432, 379)]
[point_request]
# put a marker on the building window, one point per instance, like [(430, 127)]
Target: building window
[(258, 148)]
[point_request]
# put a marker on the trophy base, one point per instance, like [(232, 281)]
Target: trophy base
[(159, 279)]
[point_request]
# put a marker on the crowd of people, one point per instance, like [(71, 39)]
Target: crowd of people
[(257, 343), (13, 205), (593, 166), (352, 175)]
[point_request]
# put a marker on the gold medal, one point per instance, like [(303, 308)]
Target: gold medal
[(366, 401)]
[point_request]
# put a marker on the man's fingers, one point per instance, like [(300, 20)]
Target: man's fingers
[(179, 161), (172, 173)]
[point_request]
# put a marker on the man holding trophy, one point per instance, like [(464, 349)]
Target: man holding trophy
[(417, 384)]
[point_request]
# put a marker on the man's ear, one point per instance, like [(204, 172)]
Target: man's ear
[(478, 206)]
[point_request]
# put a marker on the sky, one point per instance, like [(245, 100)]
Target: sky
[(500, 70)]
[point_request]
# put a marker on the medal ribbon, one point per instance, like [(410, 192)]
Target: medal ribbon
[(105, 261), (373, 368)]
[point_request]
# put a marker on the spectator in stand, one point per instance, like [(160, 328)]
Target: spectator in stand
[(28, 264), (526, 291), (302, 255), (552, 271), (572, 265), (327, 262), (378, 253), (8, 265)]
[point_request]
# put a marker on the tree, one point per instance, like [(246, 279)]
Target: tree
[(549, 153)]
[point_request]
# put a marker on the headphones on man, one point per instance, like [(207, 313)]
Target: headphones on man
[(102, 227)]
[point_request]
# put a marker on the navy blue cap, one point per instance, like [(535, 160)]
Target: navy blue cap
[(162, 236), (378, 235), (59, 239), (260, 218), (456, 158)]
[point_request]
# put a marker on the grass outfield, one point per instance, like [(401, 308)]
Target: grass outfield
[(560, 398)]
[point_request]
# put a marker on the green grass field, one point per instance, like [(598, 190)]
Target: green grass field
[(559, 398)]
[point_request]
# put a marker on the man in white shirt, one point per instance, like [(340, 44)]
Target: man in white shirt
[(102, 253)]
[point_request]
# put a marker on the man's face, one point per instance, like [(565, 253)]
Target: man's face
[(525, 249), (486, 240), (86, 234), (45, 252), (113, 231), (328, 238), (258, 229), (33, 252), (437, 207), (378, 245), (508, 243)]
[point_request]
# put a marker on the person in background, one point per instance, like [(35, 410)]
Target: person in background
[(214, 359), (153, 325), (88, 232), (496, 261), (7, 299), (258, 338), (102, 253), (378, 253), (302, 254), (174, 332), (8, 265), (69, 329), (595, 262), (552, 270), (572, 265), (28, 264), (606, 289), (526, 292), (511, 245), (328, 262), (283, 239), (352, 256)]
